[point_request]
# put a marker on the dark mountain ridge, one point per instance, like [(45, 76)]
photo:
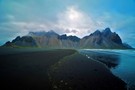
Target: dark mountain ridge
[(105, 39)]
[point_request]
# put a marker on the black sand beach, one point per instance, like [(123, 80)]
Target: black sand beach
[(63, 69)]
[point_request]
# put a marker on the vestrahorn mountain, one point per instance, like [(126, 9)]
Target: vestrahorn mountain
[(97, 40)]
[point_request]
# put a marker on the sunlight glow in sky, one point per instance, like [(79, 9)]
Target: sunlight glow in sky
[(74, 15), (71, 17)]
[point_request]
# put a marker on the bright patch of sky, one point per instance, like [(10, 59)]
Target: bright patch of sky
[(71, 17)]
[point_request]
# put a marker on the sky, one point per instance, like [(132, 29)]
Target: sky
[(71, 17)]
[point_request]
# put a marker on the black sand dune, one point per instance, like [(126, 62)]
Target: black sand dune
[(55, 70)]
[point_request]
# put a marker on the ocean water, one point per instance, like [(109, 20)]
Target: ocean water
[(120, 62)]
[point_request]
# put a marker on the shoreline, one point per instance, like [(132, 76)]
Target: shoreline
[(30, 70), (76, 72)]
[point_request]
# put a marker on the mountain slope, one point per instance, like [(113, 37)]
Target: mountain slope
[(25, 41), (98, 40), (104, 39)]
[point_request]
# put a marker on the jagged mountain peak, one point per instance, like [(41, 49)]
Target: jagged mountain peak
[(72, 38), (37, 33), (51, 32), (97, 32), (50, 39), (43, 33), (107, 31)]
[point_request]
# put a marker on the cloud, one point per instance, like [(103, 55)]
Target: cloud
[(117, 21), (78, 21), (72, 21), (74, 31), (10, 17), (71, 31)]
